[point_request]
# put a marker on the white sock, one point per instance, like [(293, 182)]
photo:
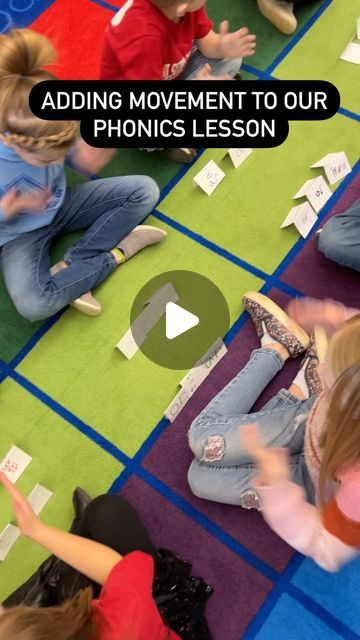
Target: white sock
[(266, 339), (300, 381)]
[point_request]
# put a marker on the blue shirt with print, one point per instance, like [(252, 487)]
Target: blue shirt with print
[(15, 172)]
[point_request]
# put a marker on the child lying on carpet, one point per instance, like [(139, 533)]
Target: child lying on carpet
[(154, 40), (317, 420), (36, 205), (111, 547)]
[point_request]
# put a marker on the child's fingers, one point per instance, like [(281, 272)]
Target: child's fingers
[(13, 492), (224, 28)]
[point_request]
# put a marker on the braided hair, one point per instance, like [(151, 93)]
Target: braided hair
[(23, 54)]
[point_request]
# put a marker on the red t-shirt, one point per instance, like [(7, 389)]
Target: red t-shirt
[(141, 43), (126, 609)]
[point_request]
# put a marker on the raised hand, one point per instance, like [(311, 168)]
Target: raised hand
[(309, 312), (239, 44), (272, 463), (27, 521), (13, 203), (204, 73)]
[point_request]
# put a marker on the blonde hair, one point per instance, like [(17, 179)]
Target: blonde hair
[(341, 439), (23, 53), (70, 621)]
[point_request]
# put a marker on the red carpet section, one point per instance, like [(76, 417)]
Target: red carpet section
[(68, 24)]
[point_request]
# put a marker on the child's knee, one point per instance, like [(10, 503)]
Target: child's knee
[(207, 448), (32, 306), (147, 192)]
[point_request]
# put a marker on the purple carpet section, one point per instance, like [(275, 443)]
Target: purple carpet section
[(170, 457), (317, 276), (239, 589)]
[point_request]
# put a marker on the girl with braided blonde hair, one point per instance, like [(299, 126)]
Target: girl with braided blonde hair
[(36, 205)]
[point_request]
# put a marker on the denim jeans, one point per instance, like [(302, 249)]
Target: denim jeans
[(109, 209), (222, 469), (339, 239)]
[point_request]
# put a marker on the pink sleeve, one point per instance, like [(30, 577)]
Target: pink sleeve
[(299, 524)]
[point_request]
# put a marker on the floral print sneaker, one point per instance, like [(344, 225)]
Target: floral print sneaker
[(268, 316), (314, 356)]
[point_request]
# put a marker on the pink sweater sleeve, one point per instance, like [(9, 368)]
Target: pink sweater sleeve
[(301, 525)]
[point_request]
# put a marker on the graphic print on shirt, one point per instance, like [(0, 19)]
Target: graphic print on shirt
[(171, 71)]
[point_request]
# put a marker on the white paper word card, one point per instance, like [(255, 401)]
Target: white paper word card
[(238, 156), (195, 377), (336, 166), (316, 191), (303, 217), (351, 53), (39, 497), (8, 538), (209, 178), (15, 463), (146, 320)]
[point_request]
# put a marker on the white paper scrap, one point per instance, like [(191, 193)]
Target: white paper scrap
[(316, 191), (209, 177), (351, 53), (195, 377), (336, 166), (146, 320), (358, 28), (15, 463), (39, 497), (303, 217), (238, 156), (8, 538)]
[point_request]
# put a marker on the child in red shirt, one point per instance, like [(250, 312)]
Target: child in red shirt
[(167, 40), (111, 548)]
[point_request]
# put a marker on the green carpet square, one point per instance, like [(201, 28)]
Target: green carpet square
[(62, 460), (244, 213), (317, 56), (76, 362), (128, 162)]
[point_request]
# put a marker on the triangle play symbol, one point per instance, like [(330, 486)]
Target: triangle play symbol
[(178, 320)]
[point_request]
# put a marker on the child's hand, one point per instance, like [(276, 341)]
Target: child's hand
[(309, 312), (35, 201), (272, 463), (28, 522), (204, 73), (240, 44)]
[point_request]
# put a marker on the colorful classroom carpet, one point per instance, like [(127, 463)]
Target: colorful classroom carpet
[(88, 417)]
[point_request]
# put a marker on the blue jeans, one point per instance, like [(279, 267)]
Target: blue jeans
[(222, 469), (218, 67), (339, 239), (109, 209)]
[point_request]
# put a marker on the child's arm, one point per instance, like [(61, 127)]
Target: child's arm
[(93, 559), (330, 536), (87, 159), (239, 44), (13, 203), (309, 312)]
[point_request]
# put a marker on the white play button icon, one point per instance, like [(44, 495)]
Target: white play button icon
[(178, 320)]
